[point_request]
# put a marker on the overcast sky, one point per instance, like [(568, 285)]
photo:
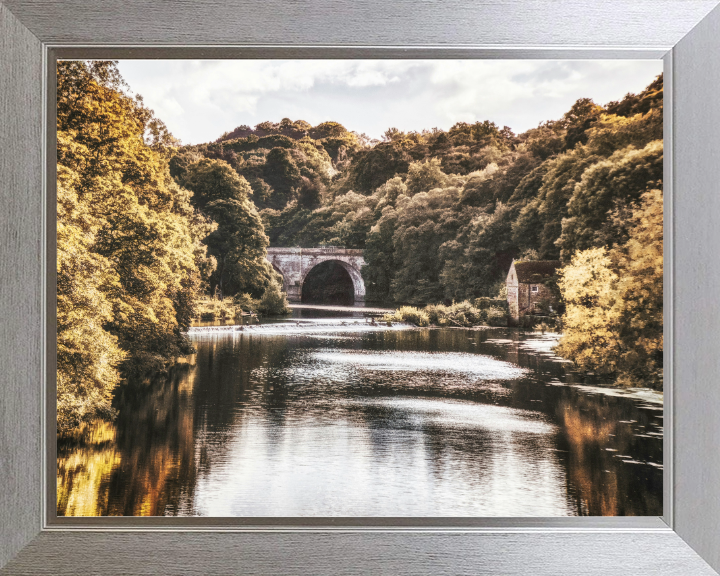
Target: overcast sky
[(199, 100)]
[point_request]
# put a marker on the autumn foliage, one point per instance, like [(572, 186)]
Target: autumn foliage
[(442, 214), (135, 250), (613, 324)]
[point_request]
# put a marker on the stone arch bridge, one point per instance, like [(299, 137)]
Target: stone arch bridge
[(296, 263)]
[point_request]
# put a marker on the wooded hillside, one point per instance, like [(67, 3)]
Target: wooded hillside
[(146, 227), (441, 214)]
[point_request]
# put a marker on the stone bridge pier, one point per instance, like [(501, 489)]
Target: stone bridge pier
[(296, 263)]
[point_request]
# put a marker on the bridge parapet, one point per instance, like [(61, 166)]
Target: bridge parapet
[(317, 251)]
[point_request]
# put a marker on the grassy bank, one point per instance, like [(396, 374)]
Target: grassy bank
[(234, 308), (481, 312)]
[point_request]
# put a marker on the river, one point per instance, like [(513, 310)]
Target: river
[(325, 415)]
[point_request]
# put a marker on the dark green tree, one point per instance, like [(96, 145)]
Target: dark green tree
[(238, 244)]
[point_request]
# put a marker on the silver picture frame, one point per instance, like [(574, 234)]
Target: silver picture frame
[(684, 33)]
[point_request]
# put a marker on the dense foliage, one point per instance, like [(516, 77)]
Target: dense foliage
[(128, 245), (135, 250), (482, 312), (614, 298), (238, 243), (441, 214)]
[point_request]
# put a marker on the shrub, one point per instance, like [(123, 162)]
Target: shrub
[(274, 301), (409, 314), (462, 314), (246, 303), (496, 316), (435, 313), (484, 303), (211, 309), (465, 314)]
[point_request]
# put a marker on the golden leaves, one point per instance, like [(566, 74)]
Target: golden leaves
[(126, 257), (613, 322)]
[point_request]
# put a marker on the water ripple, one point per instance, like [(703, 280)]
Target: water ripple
[(484, 367)]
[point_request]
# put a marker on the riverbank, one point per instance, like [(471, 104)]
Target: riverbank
[(273, 303), (313, 319)]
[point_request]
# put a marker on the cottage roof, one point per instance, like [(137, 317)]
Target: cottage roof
[(535, 271)]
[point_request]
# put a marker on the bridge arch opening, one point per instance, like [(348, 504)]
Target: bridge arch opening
[(329, 282)]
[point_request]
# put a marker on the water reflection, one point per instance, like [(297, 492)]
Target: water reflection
[(143, 464), (83, 470), (351, 421)]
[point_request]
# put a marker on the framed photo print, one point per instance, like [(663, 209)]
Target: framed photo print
[(370, 290)]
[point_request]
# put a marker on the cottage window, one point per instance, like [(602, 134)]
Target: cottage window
[(533, 288)]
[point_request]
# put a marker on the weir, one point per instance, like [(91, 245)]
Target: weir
[(301, 326)]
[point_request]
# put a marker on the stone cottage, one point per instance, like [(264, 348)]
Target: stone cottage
[(526, 289)]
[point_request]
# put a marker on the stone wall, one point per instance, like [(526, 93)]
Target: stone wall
[(527, 298)]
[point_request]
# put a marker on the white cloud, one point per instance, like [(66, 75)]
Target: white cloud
[(201, 99)]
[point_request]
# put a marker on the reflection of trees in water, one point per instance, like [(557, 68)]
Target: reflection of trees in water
[(587, 432), (472, 449), (156, 440), (237, 379), (598, 484), (84, 465), (141, 465)]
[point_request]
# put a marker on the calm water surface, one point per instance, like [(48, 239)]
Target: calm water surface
[(327, 416)]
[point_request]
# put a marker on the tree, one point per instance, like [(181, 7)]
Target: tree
[(375, 166), (87, 354), (424, 223), (479, 257), (588, 286), (622, 177), (562, 174), (640, 295), (128, 252), (424, 176), (283, 175), (274, 300), (649, 99), (583, 114), (212, 180), (379, 271), (238, 243), (613, 323)]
